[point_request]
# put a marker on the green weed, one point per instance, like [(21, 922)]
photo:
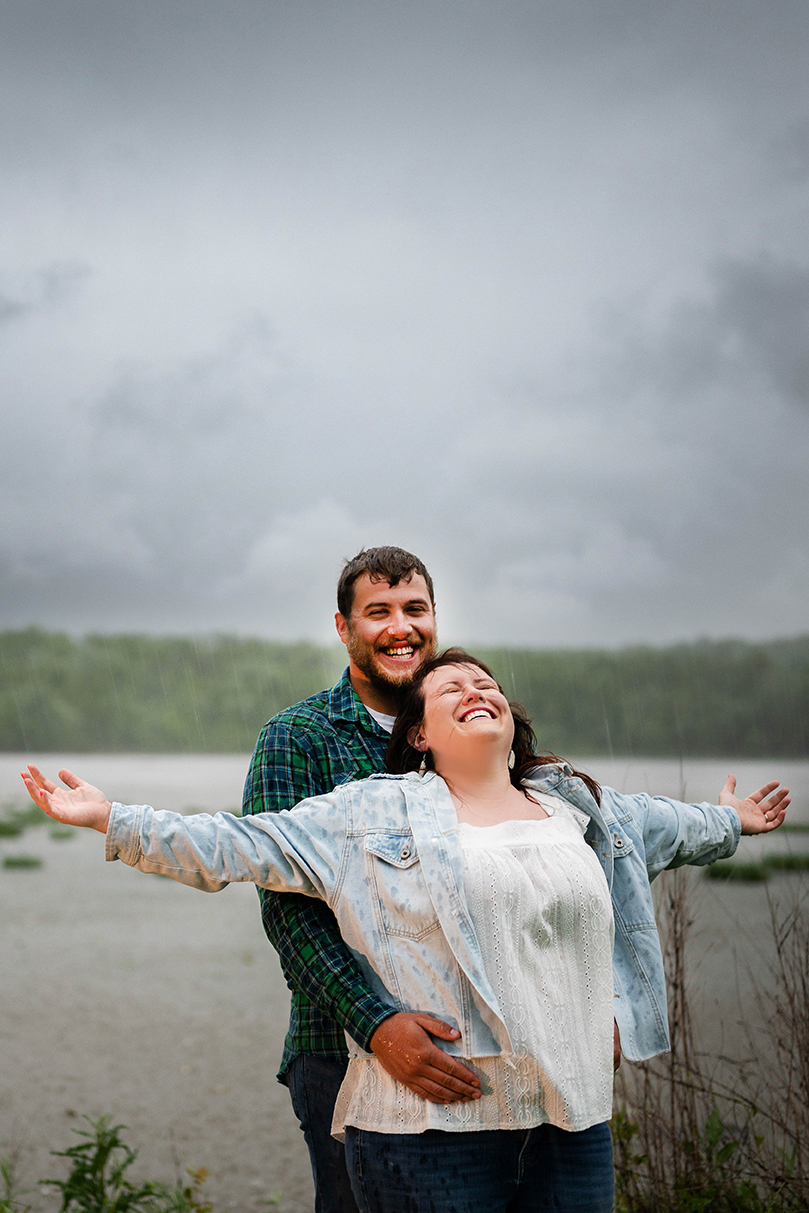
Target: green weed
[(788, 863), (61, 833), (10, 1200), (22, 861), (757, 872), (15, 821), (97, 1182), (725, 870)]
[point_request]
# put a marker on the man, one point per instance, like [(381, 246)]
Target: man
[(386, 620)]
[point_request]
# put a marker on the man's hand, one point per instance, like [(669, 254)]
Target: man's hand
[(757, 814), (403, 1044), (83, 805)]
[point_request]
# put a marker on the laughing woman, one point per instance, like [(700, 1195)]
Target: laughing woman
[(481, 879)]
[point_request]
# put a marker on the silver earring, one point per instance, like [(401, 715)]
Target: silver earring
[(423, 764), (511, 760)]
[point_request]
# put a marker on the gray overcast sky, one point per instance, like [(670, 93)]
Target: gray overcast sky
[(523, 287)]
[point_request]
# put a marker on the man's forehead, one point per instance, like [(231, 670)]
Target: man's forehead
[(374, 587)]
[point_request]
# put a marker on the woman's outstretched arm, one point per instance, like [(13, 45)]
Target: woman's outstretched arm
[(78, 804), (300, 852)]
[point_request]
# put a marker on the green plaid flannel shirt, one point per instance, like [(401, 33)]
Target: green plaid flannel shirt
[(308, 750)]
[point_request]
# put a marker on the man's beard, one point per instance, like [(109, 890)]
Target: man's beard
[(389, 683)]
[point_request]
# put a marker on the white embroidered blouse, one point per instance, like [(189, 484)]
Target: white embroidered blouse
[(541, 911)]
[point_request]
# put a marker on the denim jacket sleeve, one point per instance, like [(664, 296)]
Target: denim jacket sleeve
[(300, 851), (675, 833)]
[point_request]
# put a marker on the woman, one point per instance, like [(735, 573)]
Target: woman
[(465, 880)]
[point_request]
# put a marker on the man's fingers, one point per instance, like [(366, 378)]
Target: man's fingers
[(445, 1064), (454, 1084), (430, 1093), (453, 1072), (405, 1045), (435, 1087), (437, 1027), (436, 1094)]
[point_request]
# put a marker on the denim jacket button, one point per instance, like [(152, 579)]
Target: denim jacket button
[(405, 852)]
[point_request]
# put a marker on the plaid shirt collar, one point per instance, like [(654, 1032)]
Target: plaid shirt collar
[(345, 704)]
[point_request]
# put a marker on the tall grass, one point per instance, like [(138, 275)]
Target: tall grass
[(694, 1136)]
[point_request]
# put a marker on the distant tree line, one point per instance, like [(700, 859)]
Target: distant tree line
[(708, 699), (144, 694)]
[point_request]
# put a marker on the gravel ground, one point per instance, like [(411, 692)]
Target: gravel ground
[(162, 1006)]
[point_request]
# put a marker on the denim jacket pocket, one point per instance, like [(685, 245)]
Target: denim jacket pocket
[(398, 882)]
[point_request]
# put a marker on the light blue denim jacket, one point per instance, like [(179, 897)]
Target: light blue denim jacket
[(385, 855)]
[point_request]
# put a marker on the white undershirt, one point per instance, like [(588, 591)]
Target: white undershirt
[(386, 722), (542, 914)]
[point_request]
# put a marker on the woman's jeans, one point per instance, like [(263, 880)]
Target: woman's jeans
[(494, 1171)]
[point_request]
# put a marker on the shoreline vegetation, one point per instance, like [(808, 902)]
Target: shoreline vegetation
[(145, 694), (700, 1133)]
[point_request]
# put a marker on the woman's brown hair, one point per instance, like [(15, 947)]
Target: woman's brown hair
[(402, 756)]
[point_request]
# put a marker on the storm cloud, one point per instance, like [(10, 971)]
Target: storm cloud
[(522, 288)]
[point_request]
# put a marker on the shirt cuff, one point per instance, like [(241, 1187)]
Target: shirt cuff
[(366, 1018)]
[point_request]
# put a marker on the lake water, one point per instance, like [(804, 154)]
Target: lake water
[(210, 782)]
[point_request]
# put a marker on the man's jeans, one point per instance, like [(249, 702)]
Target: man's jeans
[(313, 1083), (519, 1170)]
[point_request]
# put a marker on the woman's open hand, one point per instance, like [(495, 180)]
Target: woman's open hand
[(80, 804), (760, 811)]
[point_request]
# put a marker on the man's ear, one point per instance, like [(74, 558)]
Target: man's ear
[(416, 739), (341, 624)]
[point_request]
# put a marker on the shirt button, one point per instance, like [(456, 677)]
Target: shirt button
[(405, 853)]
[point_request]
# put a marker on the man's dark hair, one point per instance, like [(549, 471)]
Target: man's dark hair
[(402, 757), (381, 564)]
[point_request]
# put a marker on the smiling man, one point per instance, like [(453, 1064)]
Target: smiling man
[(386, 619), (387, 626)]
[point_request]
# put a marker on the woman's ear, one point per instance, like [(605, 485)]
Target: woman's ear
[(415, 738)]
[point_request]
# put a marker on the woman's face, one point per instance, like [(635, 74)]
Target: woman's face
[(464, 710)]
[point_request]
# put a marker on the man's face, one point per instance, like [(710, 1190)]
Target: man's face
[(390, 631)]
